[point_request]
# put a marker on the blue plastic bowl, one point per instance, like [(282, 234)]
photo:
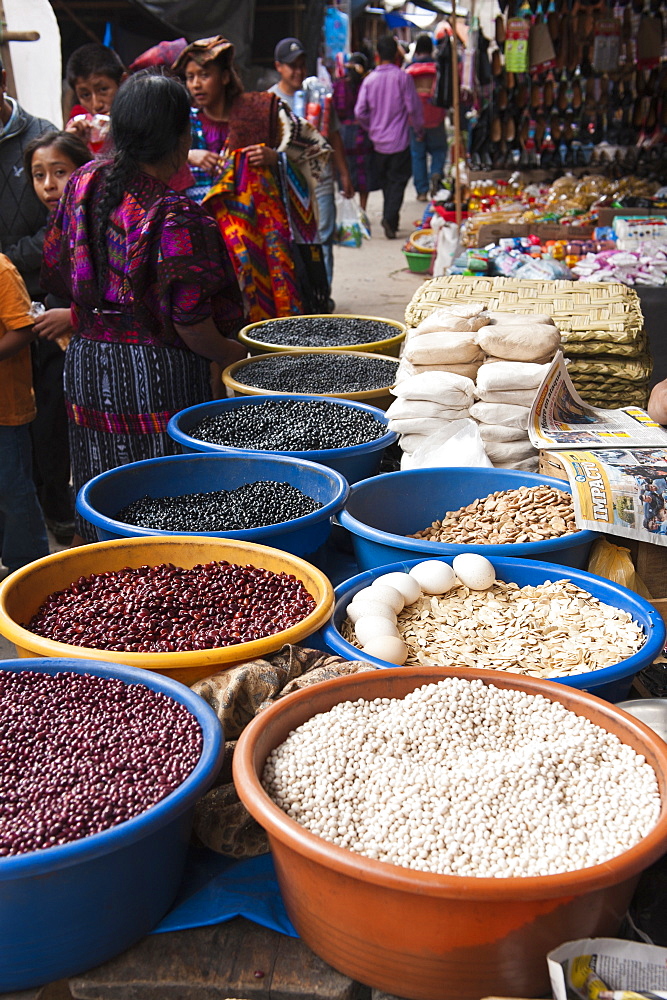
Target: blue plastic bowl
[(355, 463), (100, 500), (611, 683), (381, 511), (66, 909)]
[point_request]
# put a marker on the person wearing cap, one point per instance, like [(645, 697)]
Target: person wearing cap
[(254, 165), (387, 107), (290, 61)]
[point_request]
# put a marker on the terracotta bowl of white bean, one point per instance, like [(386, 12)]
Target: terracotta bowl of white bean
[(436, 831)]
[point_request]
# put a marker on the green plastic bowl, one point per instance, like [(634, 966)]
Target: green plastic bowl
[(418, 261)]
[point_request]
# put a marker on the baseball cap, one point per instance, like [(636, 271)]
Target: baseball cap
[(287, 50)]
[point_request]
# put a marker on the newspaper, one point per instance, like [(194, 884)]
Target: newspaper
[(608, 969), (615, 460), (559, 418)]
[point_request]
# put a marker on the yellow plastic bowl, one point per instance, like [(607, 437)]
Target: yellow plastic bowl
[(233, 374), (390, 346), (25, 590)]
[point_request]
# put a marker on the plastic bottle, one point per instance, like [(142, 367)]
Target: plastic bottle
[(300, 103)]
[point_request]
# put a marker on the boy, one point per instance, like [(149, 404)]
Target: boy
[(94, 72), (22, 529)]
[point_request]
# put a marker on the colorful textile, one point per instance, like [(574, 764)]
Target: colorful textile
[(166, 262), (120, 398), (204, 134), (126, 369), (250, 209), (254, 119), (424, 73), (357, 145)]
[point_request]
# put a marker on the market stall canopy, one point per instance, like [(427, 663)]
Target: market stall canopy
[(414, 10)]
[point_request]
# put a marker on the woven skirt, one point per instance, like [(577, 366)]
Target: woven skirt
[(120, 398)]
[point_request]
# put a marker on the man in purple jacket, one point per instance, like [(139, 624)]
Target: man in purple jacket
[(387, 106)]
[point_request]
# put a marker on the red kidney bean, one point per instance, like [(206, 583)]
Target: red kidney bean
[(81, 754), (155, 609)]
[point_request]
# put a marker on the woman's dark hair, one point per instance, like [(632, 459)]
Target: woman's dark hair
[(423, 45), (387, 48), (149, 116), (93, 59), (355, 78), (66, 143)]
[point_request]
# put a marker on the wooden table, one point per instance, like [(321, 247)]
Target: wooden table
[(236, 959)]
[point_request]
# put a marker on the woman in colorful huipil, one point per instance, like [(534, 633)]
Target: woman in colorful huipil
[(254, 164), (154, 293), (358, 147)]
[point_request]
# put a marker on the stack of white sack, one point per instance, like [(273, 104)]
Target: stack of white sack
[(425, 403), (506, 353), (445, 341), (505, 392)]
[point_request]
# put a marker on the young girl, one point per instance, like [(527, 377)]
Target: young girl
[(255, 166), (49, 161)]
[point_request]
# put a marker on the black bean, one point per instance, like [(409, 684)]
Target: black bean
[(290, 425), (323, 374), (81, 754), (323, 331), (253, 505)]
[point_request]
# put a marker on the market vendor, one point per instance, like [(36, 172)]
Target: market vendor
[(657, 404)]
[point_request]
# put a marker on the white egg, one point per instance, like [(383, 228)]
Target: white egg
[(371, 626), (387, 595), (361, 609), (387, 647), (433, 576), (403, 583), (474, 571)]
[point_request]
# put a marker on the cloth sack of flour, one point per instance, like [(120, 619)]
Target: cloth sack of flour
[(443, 348), (509, 451), (512, 375), (507, 414), (406, 370), (518, 319), (419, 425), (454, 317), (468, 371), (497, 433), (538, 362), (522, 397), (519, 343), (402, 408), (442, 387), (525, 465), (410, 442)]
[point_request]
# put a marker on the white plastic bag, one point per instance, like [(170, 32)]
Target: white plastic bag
[(348, 232), (448, 245), (458, 444)]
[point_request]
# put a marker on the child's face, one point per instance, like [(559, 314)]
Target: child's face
[(206, 84), (50, 170), (95, 93)]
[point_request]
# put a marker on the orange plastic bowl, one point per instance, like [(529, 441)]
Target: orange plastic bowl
[(438, 937), (25, 590)]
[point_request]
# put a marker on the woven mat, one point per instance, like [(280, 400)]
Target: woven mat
[(607, 311), (610, 369), (635, 349)]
